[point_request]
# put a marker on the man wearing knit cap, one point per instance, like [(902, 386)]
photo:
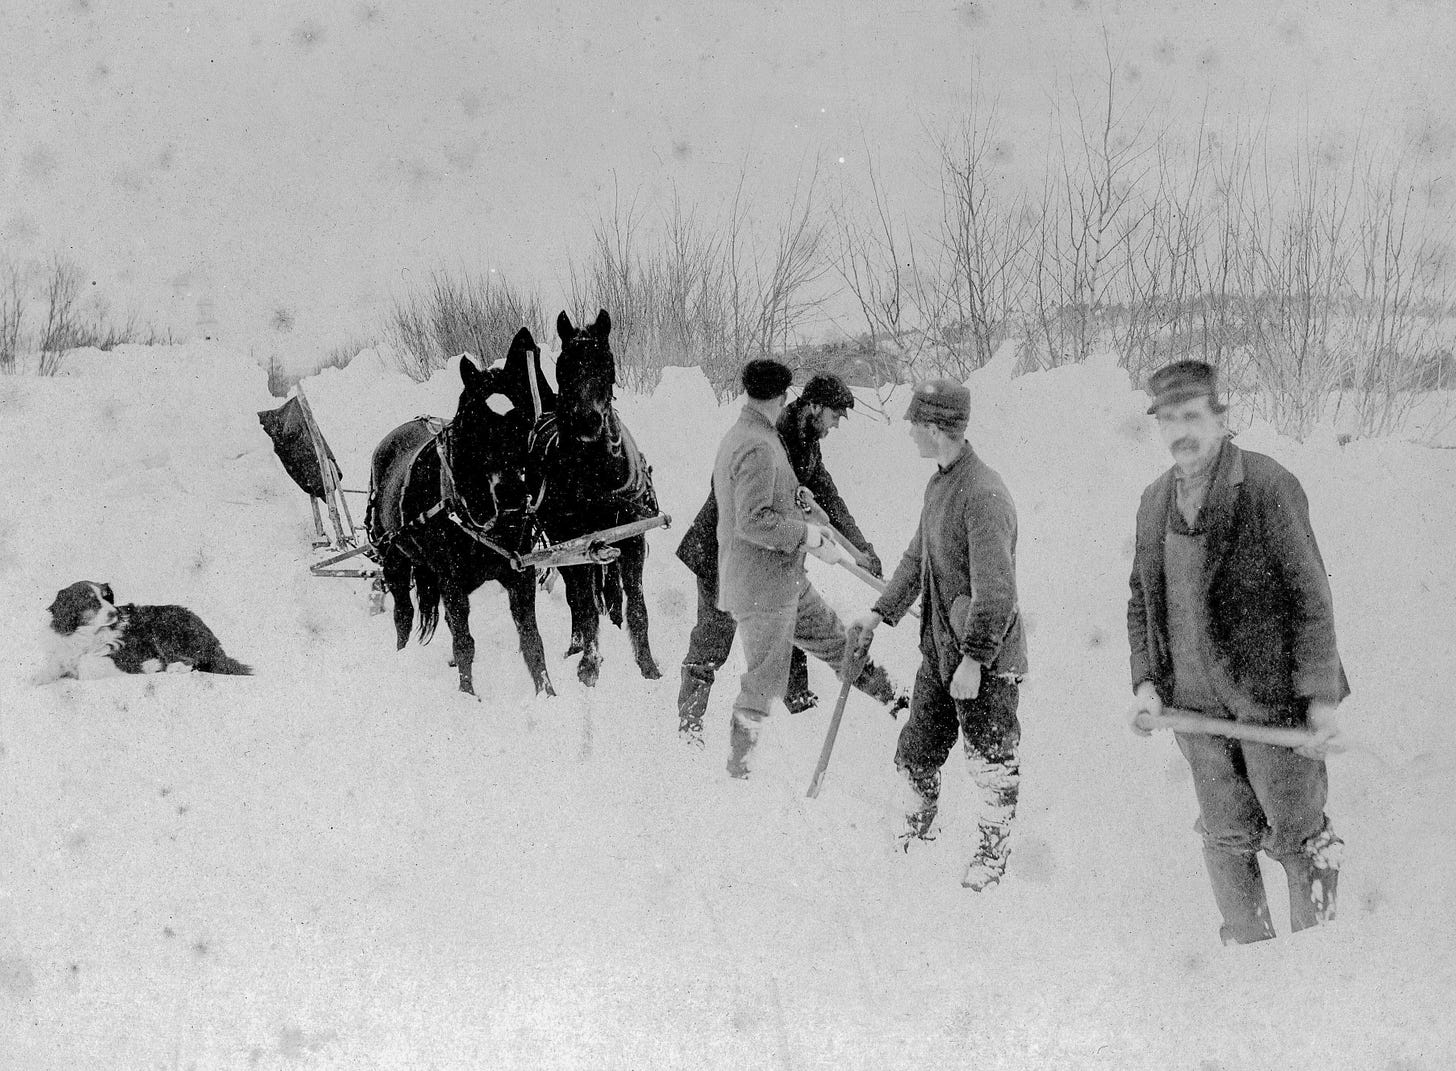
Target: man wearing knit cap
[(823, 403), (763, 535), (962, 565), (1231, 616)]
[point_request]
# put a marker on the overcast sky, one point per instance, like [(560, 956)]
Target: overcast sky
[(311, 157)]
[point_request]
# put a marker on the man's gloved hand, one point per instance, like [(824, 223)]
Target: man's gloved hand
[(866, 622), (1145, 701), (871, 563)]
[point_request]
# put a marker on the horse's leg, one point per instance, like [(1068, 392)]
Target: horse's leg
[(521, 590), (631, 563), (571, 579), (397, 581), (581, 597), (457, 616)]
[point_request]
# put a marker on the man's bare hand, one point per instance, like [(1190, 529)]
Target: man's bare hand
[(1145, 701), (1323, 718), (966, 683)]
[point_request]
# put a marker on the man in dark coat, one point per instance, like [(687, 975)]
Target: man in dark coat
[(824, 401), (1231, 617), (962, 566)]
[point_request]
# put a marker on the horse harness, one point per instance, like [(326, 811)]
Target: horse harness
[(451, 502)]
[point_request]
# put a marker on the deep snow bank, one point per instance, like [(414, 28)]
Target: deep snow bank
[(343, 863)]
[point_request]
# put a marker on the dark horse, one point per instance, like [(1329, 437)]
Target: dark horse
[(588, 475), (447, 509)]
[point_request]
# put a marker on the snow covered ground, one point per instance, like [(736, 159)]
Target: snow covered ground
[(343, 863)]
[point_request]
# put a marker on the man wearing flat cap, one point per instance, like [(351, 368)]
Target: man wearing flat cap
[(763, 535), (824, 401), (1231, 617), (962, 565)]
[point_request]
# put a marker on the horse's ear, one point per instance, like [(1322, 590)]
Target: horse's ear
[(470, 375), (564, 328), (603, 326), (524, 340)]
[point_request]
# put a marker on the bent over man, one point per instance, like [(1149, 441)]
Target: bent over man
[(962, 565), (1231, 616), (824, 401)]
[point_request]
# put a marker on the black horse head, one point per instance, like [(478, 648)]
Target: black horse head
[(586, 377), (486, 445), (521, 380)]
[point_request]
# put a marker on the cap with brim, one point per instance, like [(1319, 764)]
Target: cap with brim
[(942, 402), (1182, 381)]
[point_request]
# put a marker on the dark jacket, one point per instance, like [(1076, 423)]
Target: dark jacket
[(962, 564), (698, 549), (1270, 615)]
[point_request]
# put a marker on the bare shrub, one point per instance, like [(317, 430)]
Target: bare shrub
[(455, 314), (12, 316), (61, 291), (712, 294)]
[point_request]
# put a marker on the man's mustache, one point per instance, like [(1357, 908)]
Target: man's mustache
[(1187, 442)]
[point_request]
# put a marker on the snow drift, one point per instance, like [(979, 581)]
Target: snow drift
[(344, 863)]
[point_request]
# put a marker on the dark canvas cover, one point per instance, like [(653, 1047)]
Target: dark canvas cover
[(287, 426)]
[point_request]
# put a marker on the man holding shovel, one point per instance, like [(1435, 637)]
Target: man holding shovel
[(801, 425), (962, 565), (762, 537), (1231, 619)]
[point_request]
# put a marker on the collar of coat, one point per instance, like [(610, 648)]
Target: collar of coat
[(752, 415), (1219, 509), (966, 452)]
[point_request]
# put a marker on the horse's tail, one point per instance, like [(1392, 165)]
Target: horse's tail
[(427, 601)]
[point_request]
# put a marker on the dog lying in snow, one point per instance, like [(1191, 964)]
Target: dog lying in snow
[(90, 636)]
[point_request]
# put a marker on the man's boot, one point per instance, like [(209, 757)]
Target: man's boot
[(1238, 889), (999, 785), (925, 783), (742, 739), (874, 682), (989, 862), (692, 700), (798, 698), (1314, 876)]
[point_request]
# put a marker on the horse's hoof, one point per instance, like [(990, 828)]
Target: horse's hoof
[(543, 687), (588, 674), (651, 672)]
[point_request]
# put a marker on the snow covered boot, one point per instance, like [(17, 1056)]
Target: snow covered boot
[(692, 700), (989, 862), (742, 739), (925, 783), (799, 701), (1238, 889), (999, 783), (1314, 876), (874, 682), (798, 698)]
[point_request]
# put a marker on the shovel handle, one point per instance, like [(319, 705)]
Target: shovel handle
[(1183, 721)]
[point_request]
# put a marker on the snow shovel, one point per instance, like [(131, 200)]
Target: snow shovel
[(1183, 721), (856, 654)]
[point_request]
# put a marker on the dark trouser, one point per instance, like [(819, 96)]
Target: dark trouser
[(1253, 796), (991, 732), (708, 646)]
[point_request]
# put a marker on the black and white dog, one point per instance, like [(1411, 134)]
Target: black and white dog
[(90, 636)]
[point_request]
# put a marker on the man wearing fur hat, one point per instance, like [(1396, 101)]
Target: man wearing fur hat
[(762, 537), (1231, 617), (823, 403), (962, 565)]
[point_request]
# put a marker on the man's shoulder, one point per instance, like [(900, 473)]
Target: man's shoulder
[(1261, 468)]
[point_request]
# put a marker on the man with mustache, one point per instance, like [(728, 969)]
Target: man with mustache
[(1231, 617)]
